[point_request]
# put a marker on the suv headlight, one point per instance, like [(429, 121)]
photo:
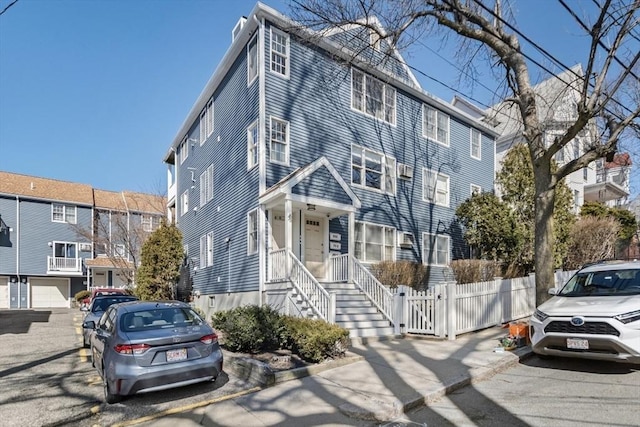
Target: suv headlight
[(540, 315), (632, 316)]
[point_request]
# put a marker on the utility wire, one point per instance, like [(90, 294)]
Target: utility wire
[(553, 58), (8, 6)]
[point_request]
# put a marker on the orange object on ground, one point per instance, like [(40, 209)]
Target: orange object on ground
[(520, 330)]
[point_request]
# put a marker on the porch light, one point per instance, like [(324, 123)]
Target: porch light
[(311, 207)]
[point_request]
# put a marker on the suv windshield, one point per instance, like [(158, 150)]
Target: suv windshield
[(603, 283)]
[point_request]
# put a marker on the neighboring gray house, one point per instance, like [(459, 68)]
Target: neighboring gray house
[(53, 242), (557, 99), (299, 166)]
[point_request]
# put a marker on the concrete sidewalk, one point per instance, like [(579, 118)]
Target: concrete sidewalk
[(390, 377)]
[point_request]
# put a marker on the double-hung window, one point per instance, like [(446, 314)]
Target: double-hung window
[(206, 121), (279, 147), (374, 243), (63, 213), (183, 150), (185, 202), (252, 145), (373, 97), (206, 250), (252, 60), (374, 170), (147, 222), (252, 232), (435, 249), (206, 186), (476, 144), (435, 125), (279, 52), (435, 187)]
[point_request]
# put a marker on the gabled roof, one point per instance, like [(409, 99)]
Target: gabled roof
[(248, 30), (45, 188), (286, 184), (33, 187)]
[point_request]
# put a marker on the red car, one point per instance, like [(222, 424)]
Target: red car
[(104, 292)]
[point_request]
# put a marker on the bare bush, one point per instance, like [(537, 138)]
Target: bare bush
[(395, 273), (593, 239), (474, 270)]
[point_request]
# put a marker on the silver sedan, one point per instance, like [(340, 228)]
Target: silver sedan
[(144, 346)]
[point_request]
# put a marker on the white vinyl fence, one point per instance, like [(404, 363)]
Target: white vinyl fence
[(449, 309)]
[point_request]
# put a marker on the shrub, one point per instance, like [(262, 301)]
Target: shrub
[(79, 296), (394, 273), (253, 329), (474, 270), (249, 329), (315, 340)]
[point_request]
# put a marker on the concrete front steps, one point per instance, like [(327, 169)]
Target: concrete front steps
[(356, 313)]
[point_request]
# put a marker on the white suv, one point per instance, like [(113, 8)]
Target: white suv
[(596, 315)]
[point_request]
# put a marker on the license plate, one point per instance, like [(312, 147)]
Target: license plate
[(577, 343), (176, 355)]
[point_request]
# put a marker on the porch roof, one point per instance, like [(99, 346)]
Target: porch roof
[(108, 262), (286, 184)]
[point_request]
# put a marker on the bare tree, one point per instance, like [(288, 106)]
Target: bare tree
[(604, 102), (120, 226)]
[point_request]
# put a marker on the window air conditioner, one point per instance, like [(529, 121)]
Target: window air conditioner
[(405, 240), (405, 171)]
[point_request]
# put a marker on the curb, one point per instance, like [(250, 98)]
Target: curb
[(257, 372), (384, 411)]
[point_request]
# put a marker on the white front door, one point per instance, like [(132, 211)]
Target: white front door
[(313, 246)]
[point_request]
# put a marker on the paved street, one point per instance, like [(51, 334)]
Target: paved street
[(46, 377), (554, 392)]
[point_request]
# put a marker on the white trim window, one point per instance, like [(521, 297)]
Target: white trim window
[(206, 250), (373, 170), (374, 243), (476, 189), (373, 97), (435, 187), (252, 145), (63, 213), (183, 150), (476, 144), (279, 52), (435, 249), (252, 232), (435, 125), (206, 121), (252, 60), (279, 145), (184, 198), (147, 222), (206, 186)]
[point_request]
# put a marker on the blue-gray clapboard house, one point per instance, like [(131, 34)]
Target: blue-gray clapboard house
[(300, 165), (58, 238)]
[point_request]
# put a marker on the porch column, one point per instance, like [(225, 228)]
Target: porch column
[(288, 232), (351, 245)]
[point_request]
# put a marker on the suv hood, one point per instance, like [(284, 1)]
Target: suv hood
[(592, 306)]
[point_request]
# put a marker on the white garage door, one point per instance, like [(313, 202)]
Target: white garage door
[(47, 293), (4, 290)]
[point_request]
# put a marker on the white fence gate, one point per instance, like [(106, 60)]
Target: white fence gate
[(450, 309)]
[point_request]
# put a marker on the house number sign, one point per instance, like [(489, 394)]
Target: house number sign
[(335, 236)]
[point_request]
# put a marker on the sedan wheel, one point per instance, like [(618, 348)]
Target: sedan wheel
[(108, 396)]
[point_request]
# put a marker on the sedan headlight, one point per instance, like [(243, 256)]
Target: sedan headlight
[(540, 315), (632, 316)]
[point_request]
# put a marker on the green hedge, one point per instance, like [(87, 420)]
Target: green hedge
[(253, 329), (82, 295)]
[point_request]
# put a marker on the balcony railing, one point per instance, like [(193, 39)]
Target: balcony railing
[(64, 265)]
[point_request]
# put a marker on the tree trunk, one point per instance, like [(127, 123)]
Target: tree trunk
[(544, 239)]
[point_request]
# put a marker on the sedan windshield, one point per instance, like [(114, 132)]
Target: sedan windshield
[(603, 283)]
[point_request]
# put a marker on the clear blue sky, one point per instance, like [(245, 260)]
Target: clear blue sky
[(94, 91)]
